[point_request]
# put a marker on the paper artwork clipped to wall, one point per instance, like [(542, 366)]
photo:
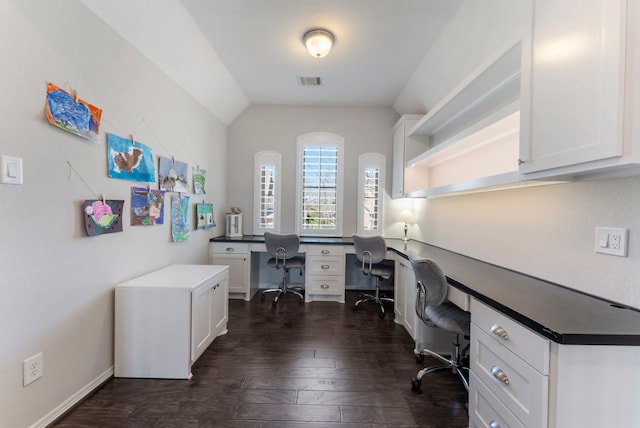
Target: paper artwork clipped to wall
[(129, 160), (204, 216), (198, 180), (180, 227), (66, 111), (147, 206), (172, 175), (102, 217)]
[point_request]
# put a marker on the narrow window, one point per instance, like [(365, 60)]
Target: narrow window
[(319, 184), (266, 216), (371, 180)]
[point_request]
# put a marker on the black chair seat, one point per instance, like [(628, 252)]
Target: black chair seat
[(294, 262)]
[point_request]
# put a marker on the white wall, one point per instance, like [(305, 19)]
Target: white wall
[(277, 128), (547, 232), (56, 284)]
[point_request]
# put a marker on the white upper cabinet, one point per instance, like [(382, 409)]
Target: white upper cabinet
[(404, 147), (577, 89)]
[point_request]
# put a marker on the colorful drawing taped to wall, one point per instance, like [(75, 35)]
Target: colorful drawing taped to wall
[(129, 160), (180, 227), (198, 180), (102, 217), (204, 216), (68, 112), (172, 175), (147, 206)]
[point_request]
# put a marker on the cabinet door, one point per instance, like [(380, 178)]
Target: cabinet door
[(400, 291), (202, 316), (220, 307), (238, 271), (573, 88)]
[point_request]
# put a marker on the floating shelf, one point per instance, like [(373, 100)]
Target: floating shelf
[(490, 87)]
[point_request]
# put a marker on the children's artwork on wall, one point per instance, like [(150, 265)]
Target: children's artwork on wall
[(172, 175), (147, 206), (198, 180), (68, 112), (180, 227), (102, 217), (204, 216), (129, 160)]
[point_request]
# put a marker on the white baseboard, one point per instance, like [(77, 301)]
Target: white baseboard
[(73, 400)]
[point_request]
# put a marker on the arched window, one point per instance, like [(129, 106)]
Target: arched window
[(371, 181), (266, 191), (319, 184)]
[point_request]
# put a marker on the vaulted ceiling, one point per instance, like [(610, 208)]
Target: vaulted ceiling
[(229, 54)]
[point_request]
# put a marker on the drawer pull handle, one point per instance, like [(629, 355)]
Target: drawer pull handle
[(325, 252), (494, 424), (325, 266), (324, 286), (500, 331), (499, 374), (230, 249)]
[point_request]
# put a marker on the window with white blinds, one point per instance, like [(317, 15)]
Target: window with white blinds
[(266, 215), (371, 180), (319, 210)]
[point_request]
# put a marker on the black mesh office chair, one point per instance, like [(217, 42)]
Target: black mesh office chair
[(371, 250), (283, 249), (435, 311)]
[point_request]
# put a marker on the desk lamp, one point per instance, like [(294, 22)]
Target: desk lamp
[(406, 217)]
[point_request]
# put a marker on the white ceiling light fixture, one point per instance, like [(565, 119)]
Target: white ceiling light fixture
[(318, 42)]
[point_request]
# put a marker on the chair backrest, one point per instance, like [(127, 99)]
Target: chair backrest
[(282, 246), (370, 249), (431, 285)]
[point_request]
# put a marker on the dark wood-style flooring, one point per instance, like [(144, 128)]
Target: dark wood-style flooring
[(317, 364)]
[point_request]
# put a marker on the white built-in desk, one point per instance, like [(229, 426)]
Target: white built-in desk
[(571, 359)]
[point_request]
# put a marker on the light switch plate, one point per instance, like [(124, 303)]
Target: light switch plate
[(10, 170)]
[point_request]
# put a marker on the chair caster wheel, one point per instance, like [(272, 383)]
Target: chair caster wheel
[(381, 314), (262, 297), (355, 307), (415, 384), (419, 357), (274, 303)]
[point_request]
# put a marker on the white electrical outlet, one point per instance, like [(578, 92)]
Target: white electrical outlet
[(32, 369), (611, 240)]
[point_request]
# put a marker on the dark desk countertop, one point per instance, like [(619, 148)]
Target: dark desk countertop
[(561, 314)]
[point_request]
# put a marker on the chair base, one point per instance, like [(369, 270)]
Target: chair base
[(364, 297), (454, 364), (293, 289)]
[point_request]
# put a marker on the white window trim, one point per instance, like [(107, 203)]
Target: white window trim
[(320, 139), (260, 159), (371, 160)]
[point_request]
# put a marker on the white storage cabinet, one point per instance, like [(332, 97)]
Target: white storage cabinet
[(166, 319), (324, 273), (236, 255)]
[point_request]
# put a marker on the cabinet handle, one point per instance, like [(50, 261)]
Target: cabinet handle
[(500, 331), (499, 374), (325, 252), (325, 266), (520, 162), (494, 424), (230, 249), (324, 286)]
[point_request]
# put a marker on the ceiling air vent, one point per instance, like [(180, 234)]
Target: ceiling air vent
[(309, 81)]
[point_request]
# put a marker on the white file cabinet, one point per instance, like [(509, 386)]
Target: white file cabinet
[(166, 319), (324, 267), (236, 255)]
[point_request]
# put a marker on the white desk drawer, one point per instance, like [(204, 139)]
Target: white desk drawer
[(327, 250), (485, 410), (325, 265), (458, 298), (522, 389), (229, 248), (529, 346), (329, 285)]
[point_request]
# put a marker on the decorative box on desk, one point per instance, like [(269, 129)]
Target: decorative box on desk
[(166, 319)]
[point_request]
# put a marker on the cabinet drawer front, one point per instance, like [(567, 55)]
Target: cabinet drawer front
[(328, 250), (325, 265), (229, 248), (324, 286), (517, 385), (485, 410), (529, 346)]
